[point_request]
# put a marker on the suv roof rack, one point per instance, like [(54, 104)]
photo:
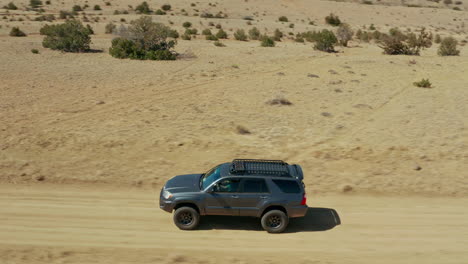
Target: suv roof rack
[(261, 167)]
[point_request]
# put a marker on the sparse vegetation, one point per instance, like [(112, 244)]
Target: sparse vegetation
[(448, 47), (35, 51), (277, 35), (35, 4), (143, 8), (221, 34), (219, 44), (166, 7), (110, 28), (70, 36), (279, 100), (254, 33), (266, 41), (325, 41), (344, 34), (97, 7), (17, 32), (11, 6), (77, 8), (283, 19), (159, 12), (65, 14), (333, 20), (186, 36), (396, 42), (206, 32), (240, 35), (187, 24), (424, 83), (191, 31), (144, 40), (211, 37)]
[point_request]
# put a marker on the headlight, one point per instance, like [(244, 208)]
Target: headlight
[(166, 194)]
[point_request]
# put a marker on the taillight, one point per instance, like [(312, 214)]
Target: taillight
[(304, 199)]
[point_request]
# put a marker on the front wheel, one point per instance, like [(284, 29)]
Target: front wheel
[(275, 221), (186, 218)]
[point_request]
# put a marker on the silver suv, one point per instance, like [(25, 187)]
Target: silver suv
[(268, 189)]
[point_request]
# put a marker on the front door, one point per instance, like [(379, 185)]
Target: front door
[(223, 198)]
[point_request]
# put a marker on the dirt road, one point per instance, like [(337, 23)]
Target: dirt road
[(56, 224)]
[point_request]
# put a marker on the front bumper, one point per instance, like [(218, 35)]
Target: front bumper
[(166, 205), (298, 211)]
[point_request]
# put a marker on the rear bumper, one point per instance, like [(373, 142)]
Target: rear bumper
[(297, 211)]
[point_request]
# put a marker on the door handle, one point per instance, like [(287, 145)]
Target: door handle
[(235, 196), (263, 197)]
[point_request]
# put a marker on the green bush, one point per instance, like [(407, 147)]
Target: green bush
[(166, 7), (144, 40), (11, 6), (283, 19), (35, 3), (437, 39), (186, 36), (187, 24), (448, 47), (240, 35), (221, 34), (191, 31), (173, 34), (333, 20), (254, 33), (277, 35), (77, 8), (206, 32), (424, 83), (16, 32), (65, 14), (211, 37), (325, 41), (35, 51), (143, 8), (70, 36), (97, 8), (219, 44), (48, 18), (397, 43), (266, 41), (159, 12), (344, 34), (110, 28)]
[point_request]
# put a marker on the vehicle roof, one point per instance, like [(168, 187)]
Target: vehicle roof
[(260, 168)]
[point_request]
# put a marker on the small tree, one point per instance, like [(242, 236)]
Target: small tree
[(333, 20), (254, 33), (16, 32), (325, 41), (448, 47), (71, 36), (344, 34), (143, 8), (240, 35), (267, 41)]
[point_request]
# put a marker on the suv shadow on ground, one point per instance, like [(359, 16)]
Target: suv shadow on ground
[(316, 219)]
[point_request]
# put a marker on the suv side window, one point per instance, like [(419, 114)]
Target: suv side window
[(227, 185), (254, 186), (288, 186)]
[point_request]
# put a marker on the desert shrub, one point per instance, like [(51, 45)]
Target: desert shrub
[(411, 44), (206, 32), (90, 29), (221, 34), (48, 18), (107, 3), (240, 35), (173, 34), (186, 36), (159, 12), (254, 33), (77, 8), (35, 51), (344, 34), (266, 41), (367, 2), (310, 36), (35, 3), (372, 27), (70, 36), (211, 37), (248, 18), (437, 39), (277, 35), (448, 2), (448, 47), (456, 8), (325, 41), (143, 40), (16, 32), (47, 2), (299, 38), (110, 28), (187, 24), (219, 44), (143, 8), (11, 6), (218, 26), (291, 25), (166, 7), (191, 31), (424, 83), (283, 19), (65, 14), (97, 7), (332, 20)]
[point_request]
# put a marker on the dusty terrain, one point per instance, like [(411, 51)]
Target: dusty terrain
[(87, 140)]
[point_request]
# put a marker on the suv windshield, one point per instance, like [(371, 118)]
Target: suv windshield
[(209, 177)]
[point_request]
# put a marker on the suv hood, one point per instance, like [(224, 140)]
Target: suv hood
[(184, 183)]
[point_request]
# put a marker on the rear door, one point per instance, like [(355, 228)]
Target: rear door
[(253, 194), (223, 198)]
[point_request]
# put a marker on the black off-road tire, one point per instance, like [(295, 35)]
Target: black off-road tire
[(186, 218), (275, 221)]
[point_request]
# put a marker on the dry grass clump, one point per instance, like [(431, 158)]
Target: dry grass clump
[(448, 47), (424, 83), (344, 34), (332, 20), (254, 33), (240, 35)]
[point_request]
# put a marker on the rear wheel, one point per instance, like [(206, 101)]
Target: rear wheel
[(275, 221), (186, 218)]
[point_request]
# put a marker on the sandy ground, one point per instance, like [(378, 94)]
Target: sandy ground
[(57, 224)]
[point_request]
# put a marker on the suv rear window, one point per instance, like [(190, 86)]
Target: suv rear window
[(254, 186), (288, 186)]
